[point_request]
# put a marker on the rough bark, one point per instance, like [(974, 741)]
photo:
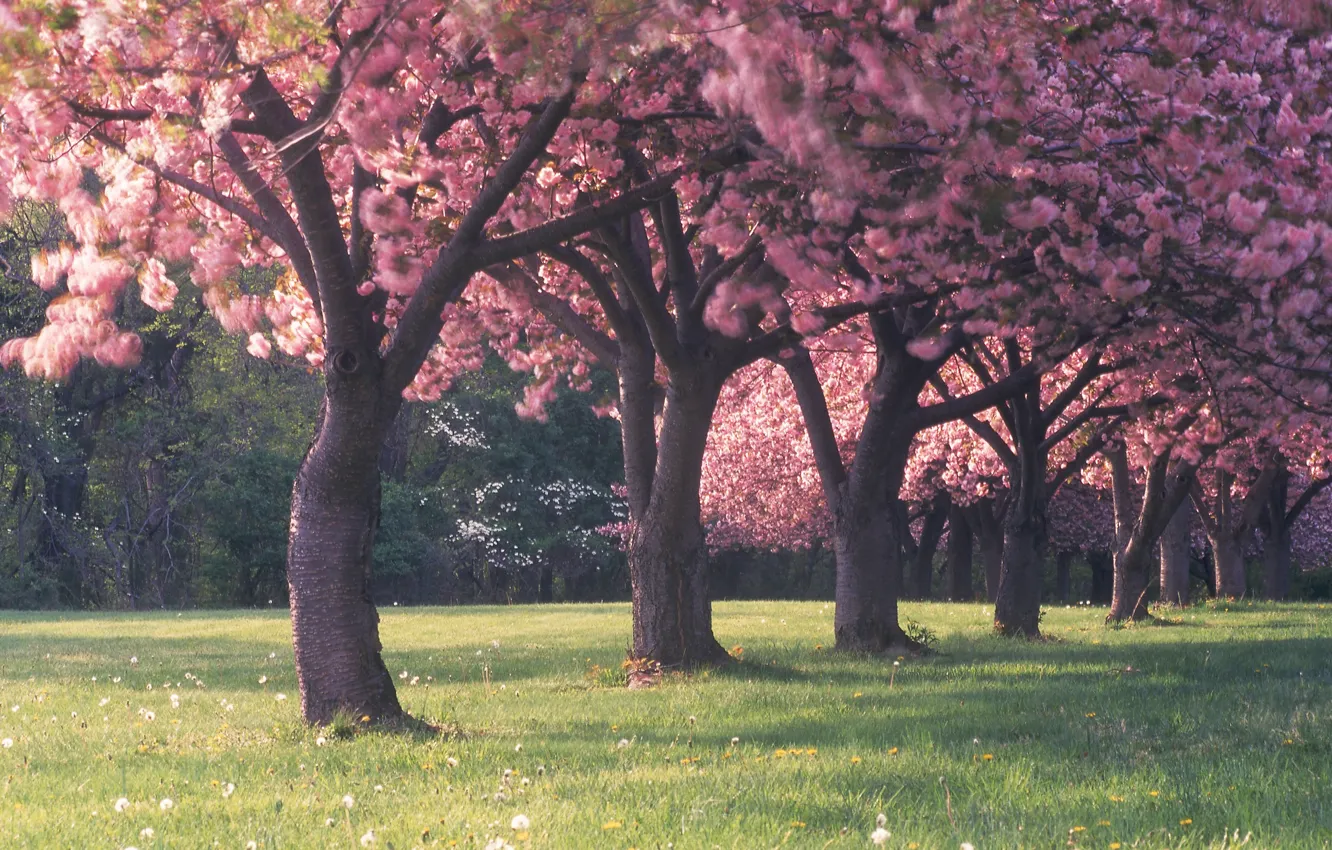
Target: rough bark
[(960, 588), (334, 517), (1174, 546), (668, 559), (1017, 607)]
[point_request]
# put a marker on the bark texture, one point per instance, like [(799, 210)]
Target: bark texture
[(668, 558), (334, 517)]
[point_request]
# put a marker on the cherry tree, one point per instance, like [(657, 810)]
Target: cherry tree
[(376, 154)]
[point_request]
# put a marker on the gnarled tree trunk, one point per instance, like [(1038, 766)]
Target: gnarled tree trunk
[(334, 516)]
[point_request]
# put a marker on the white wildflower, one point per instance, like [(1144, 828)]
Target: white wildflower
[(122, 804), (348, 800), (881, 821), (880, 836), (146, 833), (228, 789), (320, 741), (280, 697), (520, 823), (7, 743), (166, 805), (368, 838)]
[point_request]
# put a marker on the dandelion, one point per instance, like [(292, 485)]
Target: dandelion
[(855, 759), (988, 756), (228, 790), (623, 742), (146, 833), (612, 824), (520, 823), (280, 697), (1154, 793), (272, 655), (1078, 829), (1115, 845), (892, 751), (320, 741), (451, 761), (881, 821), (379, 787), (517, 748), (149, 716), (7, 743), (251, 845), (1186, 821), (122, 804), (1114, 798), (402, 675), (368, 838), (175, 700), (263, 680), (692, 720), (134, 659), (880, 836), (1091, 714), (735, 742), (966, 845), (166, 805), (348, 800)]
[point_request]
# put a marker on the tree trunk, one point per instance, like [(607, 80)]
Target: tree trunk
[(1229, 557), (959, 556), (1276, 539), (668, 558), (334, 516), (1175, 544), (1277, 565), (991, 535), (1063, 575), (1132, 575), (1017, 607), (922, 573), (865, 619), (1102, 577)]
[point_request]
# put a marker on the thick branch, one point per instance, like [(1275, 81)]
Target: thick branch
[(559, 313), (274, 212), (1305, 498), (818, 424), (936, 414)]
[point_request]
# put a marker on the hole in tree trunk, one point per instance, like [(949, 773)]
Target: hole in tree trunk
[(346, 362)]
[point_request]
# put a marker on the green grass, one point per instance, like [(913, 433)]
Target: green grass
[(1167, 735)]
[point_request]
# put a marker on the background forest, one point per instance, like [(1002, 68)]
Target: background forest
[(168, 485)]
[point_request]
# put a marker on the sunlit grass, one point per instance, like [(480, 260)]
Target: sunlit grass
[(1182, 735)]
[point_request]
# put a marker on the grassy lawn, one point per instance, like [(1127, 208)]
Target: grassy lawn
[(1171, 735)]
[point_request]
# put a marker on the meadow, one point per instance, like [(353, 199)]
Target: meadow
[(1210, 728)]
